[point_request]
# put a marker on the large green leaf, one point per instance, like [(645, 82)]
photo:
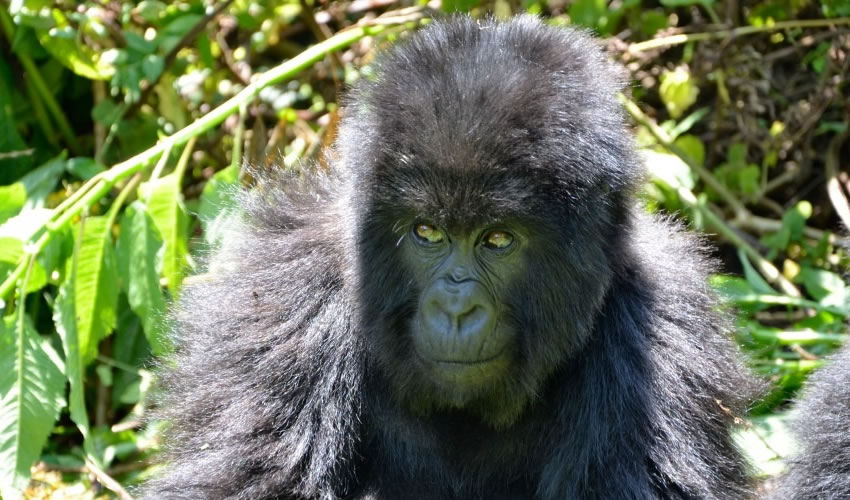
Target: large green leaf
[(12, 200), (65, 43), (64, 316), (95, 287), (12, 252), (32, 390), (165, 206), (218, 202), (137, 250), (42, 180)]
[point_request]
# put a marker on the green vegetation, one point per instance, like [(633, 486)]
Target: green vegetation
[(123, 128)]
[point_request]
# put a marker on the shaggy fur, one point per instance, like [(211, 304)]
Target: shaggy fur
[(821, 468), (294, 376)]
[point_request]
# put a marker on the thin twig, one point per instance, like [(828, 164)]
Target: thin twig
[(668, 41), (833, 186), (107, 480)]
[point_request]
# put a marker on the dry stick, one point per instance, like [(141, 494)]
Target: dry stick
[(767, 269), (833, 186), (98, 186), (668, 41), (107, 480), (764, 225)]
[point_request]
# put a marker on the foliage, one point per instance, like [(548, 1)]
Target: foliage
[(123, 127)]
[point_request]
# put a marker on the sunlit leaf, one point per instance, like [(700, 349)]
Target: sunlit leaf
[(677, 91), (32, 388), (165, 206), (63, 43), (12, 200), (137, 251), (825, 286), (95, 287), (64, 317)]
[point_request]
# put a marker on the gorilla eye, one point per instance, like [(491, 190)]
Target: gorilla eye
[(498, 240), (428, 233)]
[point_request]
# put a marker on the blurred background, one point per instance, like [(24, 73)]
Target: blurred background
[(124, 127)]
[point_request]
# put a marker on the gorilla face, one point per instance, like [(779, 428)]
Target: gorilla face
[(476, 296), (489, 203), (461, 332)]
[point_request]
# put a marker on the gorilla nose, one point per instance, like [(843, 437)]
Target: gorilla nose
[(458, 321)]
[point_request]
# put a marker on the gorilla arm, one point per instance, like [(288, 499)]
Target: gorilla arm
[(263, 397)]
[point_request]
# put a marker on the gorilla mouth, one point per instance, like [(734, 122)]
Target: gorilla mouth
[(470, 373), (463, 362)]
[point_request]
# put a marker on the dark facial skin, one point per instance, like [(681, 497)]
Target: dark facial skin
[(458, 331)]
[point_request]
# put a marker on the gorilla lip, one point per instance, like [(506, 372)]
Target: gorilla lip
[(462, 362)]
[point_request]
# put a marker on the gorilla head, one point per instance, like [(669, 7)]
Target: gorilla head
[(491, 171), (469, 305)]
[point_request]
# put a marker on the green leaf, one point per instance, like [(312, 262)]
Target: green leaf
[(32, 390), (84, 168), (677, 91), (218, 202), (748, 179), (165, 206), (64, 43), (458, 5), (176, 30), (761, 442), (693, 147), (730, 288), (793, 223), (11, 253), (589, 13), (826, 287), (137, 251), (42, 181), (25, 224), (685, 3), (95, 287), (150, 10), (754, 278), (12, 200), (669, 169), (64, 317), (129, 347)]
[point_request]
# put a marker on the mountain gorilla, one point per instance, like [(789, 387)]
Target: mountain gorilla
[(821, 468), (470, 304)]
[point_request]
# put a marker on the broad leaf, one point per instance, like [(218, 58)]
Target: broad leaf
[(42, 180), (64, 316), (95, 287), (217, 203), (12, 200), (32, 390), (11, 253), (137, 249), (165, 206), (65, 44)]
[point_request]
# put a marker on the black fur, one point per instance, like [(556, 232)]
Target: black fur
[(294, 377), (821, 467)]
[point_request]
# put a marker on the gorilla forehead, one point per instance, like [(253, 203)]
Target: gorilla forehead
[(436, 101)]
